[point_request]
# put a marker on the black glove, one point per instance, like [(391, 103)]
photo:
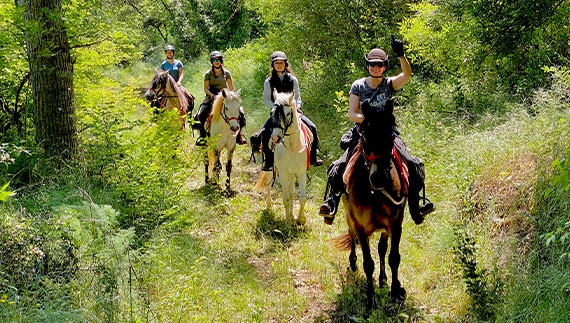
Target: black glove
[(398, 47)]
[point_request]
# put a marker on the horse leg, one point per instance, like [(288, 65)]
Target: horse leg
[(382, 248), (368, 265), (217, 165), (206, 167), (229, 167), (352, 257), (397, 292), (288, 186), (302, 199), (268, 180)]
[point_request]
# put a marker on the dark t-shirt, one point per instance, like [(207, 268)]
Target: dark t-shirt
[(364, 92), (217, 83)]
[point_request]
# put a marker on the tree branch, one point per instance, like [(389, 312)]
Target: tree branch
[(20, 87)]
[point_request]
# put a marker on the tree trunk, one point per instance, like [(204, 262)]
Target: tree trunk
[(51, 71)]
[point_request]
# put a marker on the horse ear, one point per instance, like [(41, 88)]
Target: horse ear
[(291, 97), (275, 94), (224, 93), (155, 70), (238, 92)]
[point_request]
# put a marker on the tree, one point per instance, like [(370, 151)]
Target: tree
[(51, 77)]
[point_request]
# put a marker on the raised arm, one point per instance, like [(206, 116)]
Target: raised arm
[(399, 80)]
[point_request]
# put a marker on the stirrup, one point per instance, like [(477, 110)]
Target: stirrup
[(327, 212), (201, 141), (427, 206)]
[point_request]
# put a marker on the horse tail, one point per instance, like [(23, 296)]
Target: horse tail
[(261, 182), (343, 242)]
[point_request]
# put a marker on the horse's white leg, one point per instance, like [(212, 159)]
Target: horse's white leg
[(229, 166), (288, 185), (268, 180), (302, 198)]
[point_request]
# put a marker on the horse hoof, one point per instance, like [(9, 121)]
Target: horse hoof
[(399, 295), (301, 220)]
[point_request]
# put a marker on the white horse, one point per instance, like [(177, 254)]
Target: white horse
[(292, 142), (223, 127)]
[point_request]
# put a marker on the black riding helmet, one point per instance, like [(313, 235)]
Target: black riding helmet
[(169, 47), (216, 54)]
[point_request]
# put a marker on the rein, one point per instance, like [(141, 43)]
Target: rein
[(162, 98), (281, 116), (373, 158)]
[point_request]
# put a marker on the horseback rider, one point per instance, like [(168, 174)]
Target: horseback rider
[(176, 70), (283, 80), (377, 90), (173, 66), (216, 79)]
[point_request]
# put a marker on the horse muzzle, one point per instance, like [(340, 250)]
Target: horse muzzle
[(377, 177), (149, 95)]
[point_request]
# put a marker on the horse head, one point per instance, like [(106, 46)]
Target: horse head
[(377, 142), (227, 105), (283, 114), (157, 86)]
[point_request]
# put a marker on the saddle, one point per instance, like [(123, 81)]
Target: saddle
[(399, 162)]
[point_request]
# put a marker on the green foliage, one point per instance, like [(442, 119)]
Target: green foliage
[(33, 253), (4, 194), (14, 105), (104, 253), (560, 237), (482, 285)]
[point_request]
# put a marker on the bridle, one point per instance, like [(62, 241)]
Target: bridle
[(160, 94), (279, 114), (368, 160), (227, 119)]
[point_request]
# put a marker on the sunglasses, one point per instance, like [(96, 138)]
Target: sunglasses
[(379, 64), (215, 60)]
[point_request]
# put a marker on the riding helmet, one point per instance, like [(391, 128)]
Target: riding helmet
[(278, 55), (376, 55), (216, 54), (169, 47)]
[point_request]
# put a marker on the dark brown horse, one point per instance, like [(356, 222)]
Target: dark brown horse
[(375, 201)]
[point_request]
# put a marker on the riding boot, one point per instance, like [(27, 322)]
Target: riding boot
[(201, 141), (417, 175), (335, 188), (329, 207), (267, 159), (314, 159), (267, 152), (240, 138)]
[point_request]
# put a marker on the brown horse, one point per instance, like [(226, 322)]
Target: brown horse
[(165, 93), (375, 200)]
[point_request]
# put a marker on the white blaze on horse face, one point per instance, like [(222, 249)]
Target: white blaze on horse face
[(232, 102), (276, 135)]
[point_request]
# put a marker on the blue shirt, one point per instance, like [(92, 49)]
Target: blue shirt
[(173, 69)]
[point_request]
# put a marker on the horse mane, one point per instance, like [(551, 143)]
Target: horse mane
[(217, 107)]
